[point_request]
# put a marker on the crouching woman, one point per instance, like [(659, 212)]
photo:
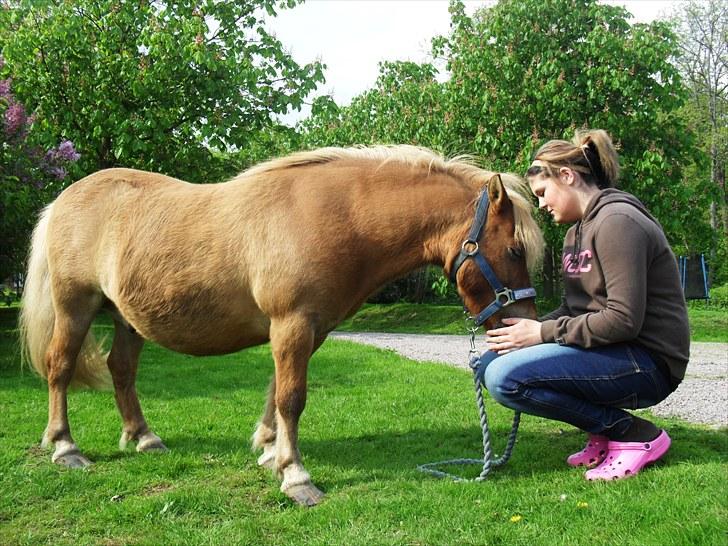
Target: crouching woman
[(620, 339)]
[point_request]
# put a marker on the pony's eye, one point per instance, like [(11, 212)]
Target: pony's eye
[(515, 252)]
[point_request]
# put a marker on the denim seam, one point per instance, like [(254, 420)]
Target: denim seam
[(632, 396), (633, 359), (534, 380), (573, 413)]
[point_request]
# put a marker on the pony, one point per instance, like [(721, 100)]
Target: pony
[(283, 253)]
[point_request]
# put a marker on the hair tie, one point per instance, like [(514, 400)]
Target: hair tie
[(583, 151)]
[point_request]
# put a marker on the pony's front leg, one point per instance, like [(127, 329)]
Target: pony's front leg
[(264, 436), (292, 343)]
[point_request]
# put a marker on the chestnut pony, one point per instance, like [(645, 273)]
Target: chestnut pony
[(283, 252)]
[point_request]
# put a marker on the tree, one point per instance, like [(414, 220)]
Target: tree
[(152, 85), (703, 61), (405, 106), (524, 71)]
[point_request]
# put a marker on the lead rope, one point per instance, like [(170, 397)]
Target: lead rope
[(488, 460)]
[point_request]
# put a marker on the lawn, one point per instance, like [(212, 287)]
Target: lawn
[(706, 323), (371, 418)]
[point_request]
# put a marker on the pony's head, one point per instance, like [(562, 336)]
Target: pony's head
[(502, 243)]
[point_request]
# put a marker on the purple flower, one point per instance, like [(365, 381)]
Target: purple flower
[(66, 151), (54, 159), (58, 172), (15, 119), (5, 88)]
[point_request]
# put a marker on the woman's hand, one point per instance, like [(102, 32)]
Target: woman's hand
[(518, 333)]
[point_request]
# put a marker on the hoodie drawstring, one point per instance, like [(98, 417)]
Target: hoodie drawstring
[(577, 244)]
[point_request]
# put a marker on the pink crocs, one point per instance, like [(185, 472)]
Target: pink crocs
[(626, 459), (593, 454)]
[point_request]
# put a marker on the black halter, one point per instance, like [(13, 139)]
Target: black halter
[(470, 249)]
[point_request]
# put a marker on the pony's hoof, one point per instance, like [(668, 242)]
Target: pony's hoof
[(67, 454), (158, 447), (305, 494), (148, 442), (267, 461), (71, 459), (152, 443)]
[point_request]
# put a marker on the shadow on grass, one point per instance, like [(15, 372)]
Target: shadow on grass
[(392, 455)]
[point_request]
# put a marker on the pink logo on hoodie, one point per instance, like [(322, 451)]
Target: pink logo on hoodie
[(576, 267)]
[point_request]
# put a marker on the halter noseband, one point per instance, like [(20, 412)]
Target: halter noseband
[(470, 249)]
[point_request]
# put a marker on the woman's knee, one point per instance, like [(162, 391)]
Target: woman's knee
[(499, 381)]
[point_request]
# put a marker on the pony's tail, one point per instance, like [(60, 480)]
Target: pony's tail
[(37, 318)]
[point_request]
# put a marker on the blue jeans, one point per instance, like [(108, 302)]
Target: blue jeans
[(584, 387)]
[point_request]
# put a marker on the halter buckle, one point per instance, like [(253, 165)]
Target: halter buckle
[(506, 293), (474, 251)]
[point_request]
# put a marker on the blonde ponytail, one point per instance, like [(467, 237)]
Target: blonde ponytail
[(597, 144)]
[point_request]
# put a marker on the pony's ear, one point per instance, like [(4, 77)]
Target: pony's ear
[(497, 193)]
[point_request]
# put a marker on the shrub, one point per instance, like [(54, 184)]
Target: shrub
[(30, 176), (719, 296)]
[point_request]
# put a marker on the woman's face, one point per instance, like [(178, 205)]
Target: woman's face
[(556, 195)]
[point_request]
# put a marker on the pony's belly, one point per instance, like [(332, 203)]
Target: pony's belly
[(203, 338), (217, 331), (193, 320)]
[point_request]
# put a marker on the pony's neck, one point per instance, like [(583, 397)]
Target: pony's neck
[(419, 221)]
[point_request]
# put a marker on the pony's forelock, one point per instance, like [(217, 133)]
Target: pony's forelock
[(528, 233)]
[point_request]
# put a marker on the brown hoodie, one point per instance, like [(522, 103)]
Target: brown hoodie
[(621, 284)]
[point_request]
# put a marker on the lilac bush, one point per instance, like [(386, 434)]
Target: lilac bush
[(30, 176)]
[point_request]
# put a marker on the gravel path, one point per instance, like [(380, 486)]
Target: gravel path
[(701, 398)]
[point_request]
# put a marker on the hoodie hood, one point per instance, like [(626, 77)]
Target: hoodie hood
[(612, 195), (600, 200)]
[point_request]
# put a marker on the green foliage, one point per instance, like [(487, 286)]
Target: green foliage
[(153, 85), (719, 297), (30, 175), (271, 142), (703, 62), (406, 105)]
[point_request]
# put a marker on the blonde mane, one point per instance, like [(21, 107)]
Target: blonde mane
[(463, 167)]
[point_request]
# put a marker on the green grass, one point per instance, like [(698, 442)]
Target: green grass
[(706, 324), (371, 418), (407, 318)]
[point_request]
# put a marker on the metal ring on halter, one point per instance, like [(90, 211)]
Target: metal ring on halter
[(470, 242)]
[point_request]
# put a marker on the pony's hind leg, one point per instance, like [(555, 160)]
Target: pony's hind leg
[(265, 433), (123, 361), (69, 332), (292, 343)]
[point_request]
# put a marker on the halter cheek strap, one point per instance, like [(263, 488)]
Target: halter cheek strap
[(470, 249)]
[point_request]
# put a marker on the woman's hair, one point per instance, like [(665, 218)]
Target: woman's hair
[(590, 153)]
